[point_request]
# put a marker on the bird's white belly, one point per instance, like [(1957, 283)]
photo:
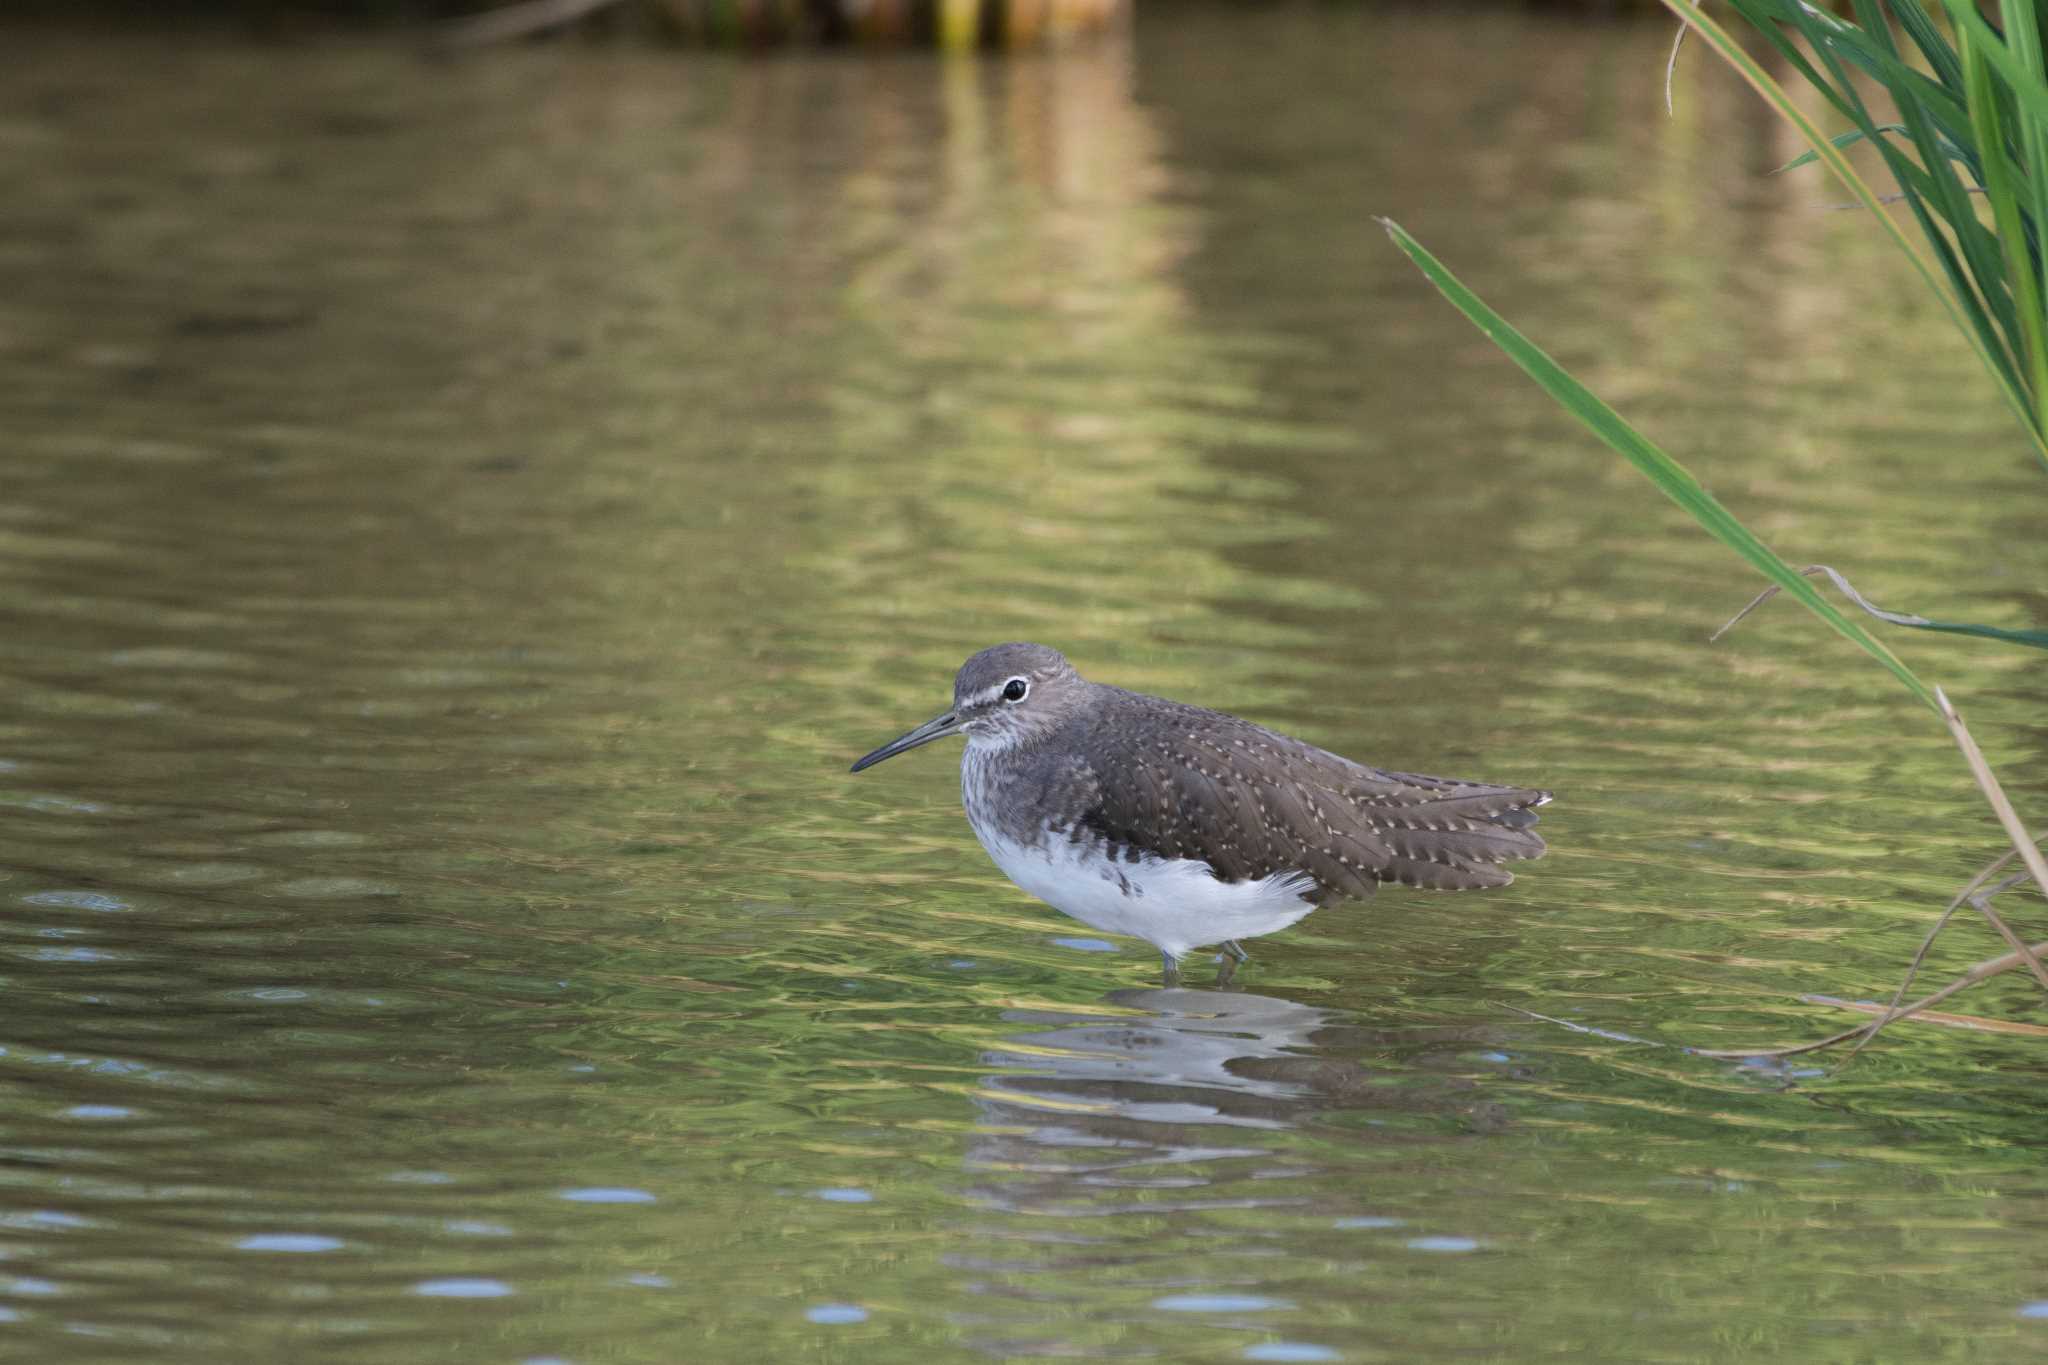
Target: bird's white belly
[(1172, 903)]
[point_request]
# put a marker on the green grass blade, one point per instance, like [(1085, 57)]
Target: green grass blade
[(1854, 135), (1931, 186), (1920, 27), (1671, 477), (1939, 128), (2023, 32), (1983, 248), (1990, 319), (2002, 188), (2028, 88), (1732, 52), (1735, 55), (2002, 125), (2036, 638), (1931, 116), (1871, 50)]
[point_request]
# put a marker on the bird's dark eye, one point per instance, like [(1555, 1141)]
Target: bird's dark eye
[(1014, 689)]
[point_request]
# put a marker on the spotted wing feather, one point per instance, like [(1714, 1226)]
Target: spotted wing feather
[(1182, 782)]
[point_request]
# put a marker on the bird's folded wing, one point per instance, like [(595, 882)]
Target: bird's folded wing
[(1252, 803)]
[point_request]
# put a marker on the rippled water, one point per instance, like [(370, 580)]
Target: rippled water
[(460, 520)]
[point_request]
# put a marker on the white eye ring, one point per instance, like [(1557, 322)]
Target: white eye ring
[(1016, 689)]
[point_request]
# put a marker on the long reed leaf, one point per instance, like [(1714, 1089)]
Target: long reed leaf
[(1672, 478)]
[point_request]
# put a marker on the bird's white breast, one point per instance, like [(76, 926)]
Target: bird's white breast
[(1175, 904)]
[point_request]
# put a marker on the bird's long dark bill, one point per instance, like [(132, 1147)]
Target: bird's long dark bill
[(948, 724)]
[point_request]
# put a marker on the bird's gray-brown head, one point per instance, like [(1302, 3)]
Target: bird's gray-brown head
[(1004, 695)]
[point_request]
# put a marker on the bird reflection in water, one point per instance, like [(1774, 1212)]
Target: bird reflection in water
[(1116, 1143), (1172, 1089)]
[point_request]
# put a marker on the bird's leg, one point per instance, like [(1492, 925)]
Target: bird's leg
[(1236, 950), (1169, 965)]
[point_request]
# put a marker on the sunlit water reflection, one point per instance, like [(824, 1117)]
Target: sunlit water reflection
[(460, 521)]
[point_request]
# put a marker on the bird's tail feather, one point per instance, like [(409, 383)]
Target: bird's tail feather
[(1457, 841)]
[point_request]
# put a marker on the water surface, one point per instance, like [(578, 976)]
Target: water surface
[(460, 521)]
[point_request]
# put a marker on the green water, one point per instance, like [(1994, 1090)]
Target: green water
[(458, 522)]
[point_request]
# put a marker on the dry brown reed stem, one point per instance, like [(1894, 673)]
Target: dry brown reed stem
[(1889, 1013), (1863, 1033), (1975, 1023), (1968, 893), (2024, 846), (1983, 971), (2022, 841)]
